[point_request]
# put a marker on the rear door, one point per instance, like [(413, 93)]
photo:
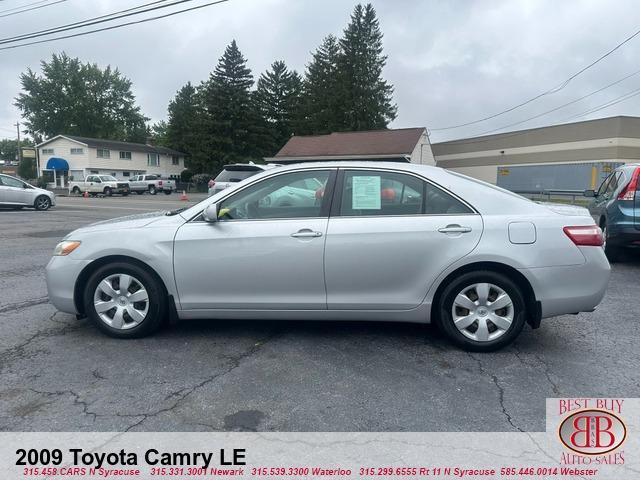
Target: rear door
[(14, 192), (390, 235)]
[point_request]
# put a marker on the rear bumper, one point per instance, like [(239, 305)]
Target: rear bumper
[(573, 288), (624, 236)]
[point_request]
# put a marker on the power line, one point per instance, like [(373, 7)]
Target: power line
[(32, 8), (112, 27), (608, 104), (23, 6), (87, 22), (561, 106), (547, 92)]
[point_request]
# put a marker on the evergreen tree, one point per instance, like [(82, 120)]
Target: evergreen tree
[(323, 112), (277, 98), (182, 125), (366, 97), (229, 131)]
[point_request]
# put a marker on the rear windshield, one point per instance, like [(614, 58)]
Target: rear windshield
[(235, 175)]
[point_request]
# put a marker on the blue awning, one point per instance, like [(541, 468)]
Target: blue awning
[(57, 163)]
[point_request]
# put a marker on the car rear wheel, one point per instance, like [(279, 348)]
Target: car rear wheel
[(152, 190), (42, 203), (167, 192), (124, 301), (76, 190), (611, 251), (482, 311)]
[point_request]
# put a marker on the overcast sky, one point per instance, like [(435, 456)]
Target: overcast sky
[(451, 62)]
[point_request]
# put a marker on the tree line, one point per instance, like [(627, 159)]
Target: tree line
[(229, 117)]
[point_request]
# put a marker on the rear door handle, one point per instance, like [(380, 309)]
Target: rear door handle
[(306, 233), (454, 229)]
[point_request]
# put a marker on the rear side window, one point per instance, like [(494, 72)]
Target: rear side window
[(366, 193), (235, 175)]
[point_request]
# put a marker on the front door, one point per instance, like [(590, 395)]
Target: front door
[(390, 235), (265, 252), (13, 191)]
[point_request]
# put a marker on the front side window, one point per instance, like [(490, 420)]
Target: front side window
[(367, 193), (103, 153), (107, 178), (11, 182), (153, 160), (292, 195)]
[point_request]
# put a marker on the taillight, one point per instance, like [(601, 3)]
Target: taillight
[(159, 183), (585, 235), (629, 192)]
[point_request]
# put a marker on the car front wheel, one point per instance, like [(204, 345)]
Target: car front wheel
[(124, 300), (167, 192), (42, 203), (108, 192), (482, 311)]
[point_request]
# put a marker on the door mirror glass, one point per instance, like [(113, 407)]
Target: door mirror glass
[(210, 213), (589, 193)]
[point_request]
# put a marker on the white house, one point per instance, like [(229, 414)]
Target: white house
[(66, 156)]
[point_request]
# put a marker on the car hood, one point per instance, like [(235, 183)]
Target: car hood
[(130, 221), (564, 209)]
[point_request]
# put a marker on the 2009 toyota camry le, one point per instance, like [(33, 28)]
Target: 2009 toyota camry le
[(340, 241)]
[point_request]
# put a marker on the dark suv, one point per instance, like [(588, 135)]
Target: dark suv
[(616, 209)]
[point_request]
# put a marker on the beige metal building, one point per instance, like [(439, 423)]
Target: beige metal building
[(610, 140)]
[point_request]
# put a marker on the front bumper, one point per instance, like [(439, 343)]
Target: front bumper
[(573, 288), (61, 275)]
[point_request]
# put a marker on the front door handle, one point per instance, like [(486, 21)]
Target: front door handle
[(306, 233), (454, 229)]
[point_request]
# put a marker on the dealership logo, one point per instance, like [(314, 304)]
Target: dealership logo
[(592, 432)]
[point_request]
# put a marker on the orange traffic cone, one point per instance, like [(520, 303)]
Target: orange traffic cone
[(85, 194), (183, 197)]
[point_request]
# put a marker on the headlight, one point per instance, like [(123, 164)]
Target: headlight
[(65, 248)]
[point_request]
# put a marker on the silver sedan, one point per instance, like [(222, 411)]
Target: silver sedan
[(15, 193), (366, 241)]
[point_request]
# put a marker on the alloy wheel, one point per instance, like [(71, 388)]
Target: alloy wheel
[(43, 203), (482, 312), (121, 301)]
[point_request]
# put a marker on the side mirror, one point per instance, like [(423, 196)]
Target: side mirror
[(210, 213), (589, 193)]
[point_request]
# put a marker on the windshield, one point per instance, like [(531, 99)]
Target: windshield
[(108, 178)]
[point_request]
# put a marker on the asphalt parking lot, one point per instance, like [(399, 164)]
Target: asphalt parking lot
[(60, 374)]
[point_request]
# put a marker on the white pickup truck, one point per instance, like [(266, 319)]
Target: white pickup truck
[(152, 184), (100, 184)]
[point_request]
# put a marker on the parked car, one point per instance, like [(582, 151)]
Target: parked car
[(152, 184), (16, 193), (236, 172), (100, 184), (616, 209), (379, 241)]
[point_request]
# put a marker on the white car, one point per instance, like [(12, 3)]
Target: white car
[(16, 193), (236, 172)]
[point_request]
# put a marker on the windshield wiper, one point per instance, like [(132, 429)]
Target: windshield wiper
[(171, 213)]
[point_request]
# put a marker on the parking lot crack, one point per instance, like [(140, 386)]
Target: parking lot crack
[(183, 393), (17, 306), (501, 392)]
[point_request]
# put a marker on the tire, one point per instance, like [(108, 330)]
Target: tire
[(124, 194), (146, 317), (107, 191), (42, 203), (139, 192), (468, 289), (76, 191), (167, 192), (613, 253), (152, 190)]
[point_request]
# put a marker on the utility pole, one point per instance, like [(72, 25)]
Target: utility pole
[(19, 148)]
